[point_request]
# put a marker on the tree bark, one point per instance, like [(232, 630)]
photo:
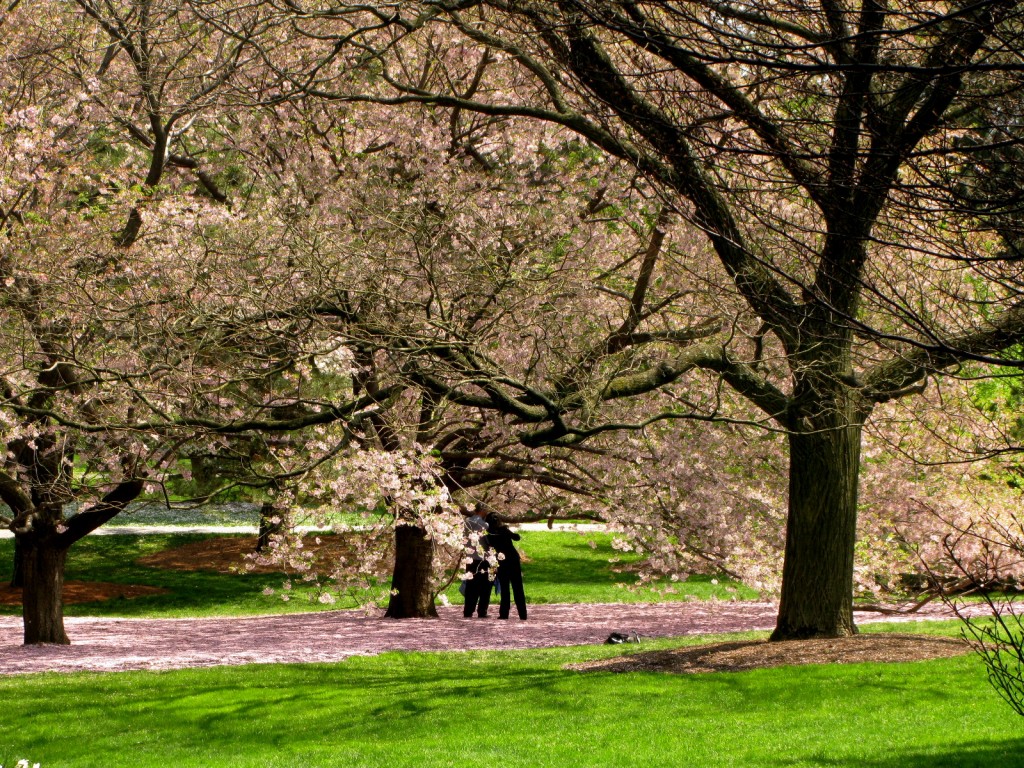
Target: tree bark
[(44, 550), (817, 573), (411, 596), (43, 592)]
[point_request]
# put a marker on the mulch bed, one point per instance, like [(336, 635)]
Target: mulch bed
[(87, 592), (760, 654), (229, 554)]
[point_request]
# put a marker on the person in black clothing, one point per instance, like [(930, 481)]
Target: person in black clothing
[(477, 588), (510, 570)]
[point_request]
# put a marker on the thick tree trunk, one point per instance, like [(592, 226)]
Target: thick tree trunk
[(43, 592), (411, 596), (817, 574)]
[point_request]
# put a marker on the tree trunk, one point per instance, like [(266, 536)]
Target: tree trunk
[(267, 527), (204, 472), (411, 596), (43, 592), (817, 574)]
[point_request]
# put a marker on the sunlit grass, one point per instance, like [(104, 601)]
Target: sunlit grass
[(521, 708)]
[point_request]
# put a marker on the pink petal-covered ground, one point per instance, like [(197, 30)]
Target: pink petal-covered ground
[(110, 644)]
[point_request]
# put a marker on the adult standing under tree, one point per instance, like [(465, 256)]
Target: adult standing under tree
[(510, 569)]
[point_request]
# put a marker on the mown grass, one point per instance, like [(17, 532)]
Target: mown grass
[(513, 709), (561, 567)]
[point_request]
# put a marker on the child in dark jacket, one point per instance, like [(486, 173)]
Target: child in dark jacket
[(477, 588)]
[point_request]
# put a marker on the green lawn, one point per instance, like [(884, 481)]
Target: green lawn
[(512, 709), (562, 567)]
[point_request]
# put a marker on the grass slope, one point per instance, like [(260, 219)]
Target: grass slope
[(512, 709)]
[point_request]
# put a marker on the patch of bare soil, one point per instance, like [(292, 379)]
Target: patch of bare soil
[(86, 592), (228, 554), (761, 654)]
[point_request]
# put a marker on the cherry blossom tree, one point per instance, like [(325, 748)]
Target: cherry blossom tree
[(439, 251), (105, 371)]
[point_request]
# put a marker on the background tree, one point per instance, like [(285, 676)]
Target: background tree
[(106, 369), (469, 250)]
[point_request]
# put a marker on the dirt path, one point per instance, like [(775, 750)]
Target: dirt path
[(105, 644)]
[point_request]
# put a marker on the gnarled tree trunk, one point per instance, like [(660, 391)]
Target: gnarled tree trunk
[(44, 549), (43, 591), (411, 595)]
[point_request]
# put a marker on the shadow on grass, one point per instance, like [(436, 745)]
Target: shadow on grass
[(1008, 753)]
